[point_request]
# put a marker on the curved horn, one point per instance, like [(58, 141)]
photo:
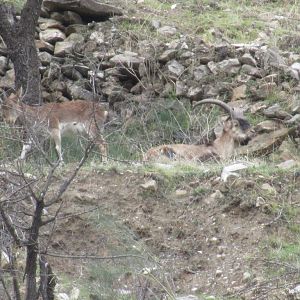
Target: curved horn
[(222, 104)]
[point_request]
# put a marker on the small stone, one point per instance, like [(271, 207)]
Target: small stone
[(181, 193), (167, 30), (247, 59), (150, 185), (267, 126), (219, 273), (275, 111), (175, 67), (246, 277), (288, 164), (268, 188)]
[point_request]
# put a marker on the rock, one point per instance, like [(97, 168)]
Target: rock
[(275, 111), (294, 293), (247, 59), (189, 297), (62, 296), (66, 47), (175, 67), (229, 66), (295, 106), (150, 185), (195, 93), (270, 58), (127, 60), (230, 170), (45, 24), (265, 143), (70, 72), (167, 30), (77, 92), (45, 58), (98, 37), (250, 70), (239, 92), (155, 24), (288, 164), (181, 88), (294, 120), (71, 17), (167, 55), (246, 277), (259, 106), (268, 188), (296, 66), (89, 9), (219, 273), (52, 36), (44, 46), (201, 72), (181, 193), (213, 67), (267, 126), (74, 294)]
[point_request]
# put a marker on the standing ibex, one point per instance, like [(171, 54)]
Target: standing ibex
[(236, 130), (54, 119)]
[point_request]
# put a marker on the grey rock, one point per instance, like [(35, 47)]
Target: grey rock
[(188, 297), (229, 66), (247, 59), (50, 23), (250, 70), (45, 58), (67, 46), (127, 60), (167, 55), (288, 164), (52, 35), (150, 185), (195, 93), (175, 67), (167, 30), (200, 72), (77, 92), (181, 88), (275, 111), (267, 126), (71, 17), (44, 46), (98, 37), (155, 24), (213, 67), (294, 120)]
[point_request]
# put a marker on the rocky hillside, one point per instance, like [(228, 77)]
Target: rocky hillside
[(191, 231), (133, 61)]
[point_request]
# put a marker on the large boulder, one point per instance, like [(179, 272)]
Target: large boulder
[(88, 9)]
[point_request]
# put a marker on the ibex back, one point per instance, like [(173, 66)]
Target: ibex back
[(54, 119), (236, 130)]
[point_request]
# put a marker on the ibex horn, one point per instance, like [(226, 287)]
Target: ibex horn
[(226, 107)]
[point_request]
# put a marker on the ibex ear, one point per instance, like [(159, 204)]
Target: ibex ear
[(227, 125)]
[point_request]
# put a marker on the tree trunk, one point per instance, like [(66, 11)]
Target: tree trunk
[(18, 35), (32, 253)]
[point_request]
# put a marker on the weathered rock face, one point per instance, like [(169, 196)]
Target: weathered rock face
[(90, 9)]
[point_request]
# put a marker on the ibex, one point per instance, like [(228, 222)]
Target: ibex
[(236, 130), (52, 120)]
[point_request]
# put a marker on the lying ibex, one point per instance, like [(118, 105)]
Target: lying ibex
[(236, 130), (54, 119)]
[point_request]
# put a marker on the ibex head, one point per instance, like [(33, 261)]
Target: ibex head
[(236, 124)]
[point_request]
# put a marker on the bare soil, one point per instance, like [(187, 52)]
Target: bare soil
[(213, 241)]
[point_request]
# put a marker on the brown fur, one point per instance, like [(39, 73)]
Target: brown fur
[(221, 148), (53, 119)]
